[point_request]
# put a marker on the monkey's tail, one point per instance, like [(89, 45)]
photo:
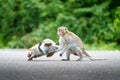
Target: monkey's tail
[(87, 55), (93, 59), (100, 59)]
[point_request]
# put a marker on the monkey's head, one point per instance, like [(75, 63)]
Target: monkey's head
[(62, 31), (29, 54), (48, 42)]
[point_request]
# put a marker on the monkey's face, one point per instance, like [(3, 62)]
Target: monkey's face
[(62, 30), (29, 54)]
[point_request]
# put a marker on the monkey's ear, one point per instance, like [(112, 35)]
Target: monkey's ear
[(48, 44)]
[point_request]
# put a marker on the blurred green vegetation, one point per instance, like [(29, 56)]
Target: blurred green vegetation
[(24, 23)]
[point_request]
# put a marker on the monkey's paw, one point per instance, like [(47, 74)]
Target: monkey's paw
[(65, 59), (60, 55)]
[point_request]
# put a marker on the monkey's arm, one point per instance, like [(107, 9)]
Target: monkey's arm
[(63, 51), (61, 45), (61, 48)]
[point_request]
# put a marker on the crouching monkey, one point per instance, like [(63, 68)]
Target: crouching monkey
[(47, 47)]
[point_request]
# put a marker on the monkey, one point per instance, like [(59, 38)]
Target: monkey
[(47, 47), (71, 44)]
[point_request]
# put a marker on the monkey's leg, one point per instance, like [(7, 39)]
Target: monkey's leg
[(67, 55), (78, 53), (35, 56), (81, 57)]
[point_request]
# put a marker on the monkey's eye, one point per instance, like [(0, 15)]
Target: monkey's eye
[(59, 30), (65, 28)]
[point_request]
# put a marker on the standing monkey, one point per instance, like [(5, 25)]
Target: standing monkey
[(71, 44)]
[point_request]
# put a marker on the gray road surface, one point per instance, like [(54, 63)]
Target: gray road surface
[(14, 66)]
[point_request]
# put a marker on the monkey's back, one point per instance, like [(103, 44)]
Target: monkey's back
[(73, 38)]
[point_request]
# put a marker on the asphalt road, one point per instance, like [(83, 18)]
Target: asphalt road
[(14, 66)]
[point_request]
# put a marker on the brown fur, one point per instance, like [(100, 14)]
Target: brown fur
[(70, 39)]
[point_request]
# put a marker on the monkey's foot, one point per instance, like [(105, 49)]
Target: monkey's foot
[(65, 59), (79, 59)]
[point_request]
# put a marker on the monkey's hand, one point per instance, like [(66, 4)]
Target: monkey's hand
[(61, 54)]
